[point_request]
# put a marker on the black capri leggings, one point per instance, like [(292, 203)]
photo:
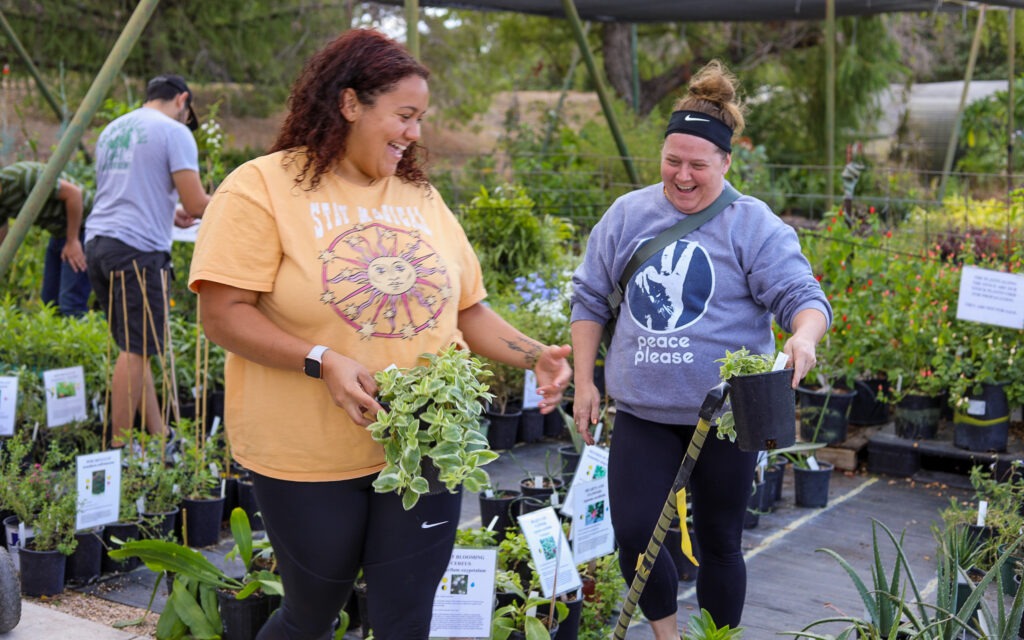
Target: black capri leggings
[(324, 532), (643, 462)]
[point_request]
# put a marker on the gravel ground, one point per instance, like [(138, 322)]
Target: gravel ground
[(102, 611)]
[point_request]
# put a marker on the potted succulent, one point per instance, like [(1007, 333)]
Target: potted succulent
[(430, 427)]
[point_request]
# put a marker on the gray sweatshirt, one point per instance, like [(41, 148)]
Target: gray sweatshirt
[(717, 289)]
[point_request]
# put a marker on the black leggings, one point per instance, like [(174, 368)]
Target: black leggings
[(644, 459), (324, 532)]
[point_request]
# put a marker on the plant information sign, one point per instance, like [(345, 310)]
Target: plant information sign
[(8, 404), (99, 488), (65, 395), (592, 535), (550, 551), (464, 600), (991, 297)]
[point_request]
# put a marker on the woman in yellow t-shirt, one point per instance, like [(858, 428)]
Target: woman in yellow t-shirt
[(317, 265)]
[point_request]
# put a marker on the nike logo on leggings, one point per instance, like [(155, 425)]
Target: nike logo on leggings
[(431, 525)]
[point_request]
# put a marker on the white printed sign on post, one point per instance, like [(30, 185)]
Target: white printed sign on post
[(991, 297), (65, 395)]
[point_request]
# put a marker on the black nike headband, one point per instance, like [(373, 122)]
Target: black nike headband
[(702, 125)]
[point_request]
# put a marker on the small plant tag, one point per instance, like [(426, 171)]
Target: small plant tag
[(538, 481), (213, 429), (982, 512), (489, 493), (494, 521), (140, 504), (780, 362), (812, 463)]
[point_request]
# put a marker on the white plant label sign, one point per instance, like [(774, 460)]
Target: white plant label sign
[(991, 297), (550, 551), (531, 399), (65, 395), (98, 479), (8, 404), (592, 535), (593, 465), (464, 600)]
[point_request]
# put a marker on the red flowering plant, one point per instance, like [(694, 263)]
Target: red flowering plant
[(850, 261)]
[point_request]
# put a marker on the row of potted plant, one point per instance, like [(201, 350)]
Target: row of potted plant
[(894, 287)]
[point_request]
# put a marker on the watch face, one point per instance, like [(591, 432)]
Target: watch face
[(312, 368)]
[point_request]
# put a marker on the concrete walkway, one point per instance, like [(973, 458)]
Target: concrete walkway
[(43, 623)]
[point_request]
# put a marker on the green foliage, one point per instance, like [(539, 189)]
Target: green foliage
[(192, 605), (445, 394), (896, 601), (476, 537), (516, 617), (702, 627), (595, 617), (508, 235), (199, 464)]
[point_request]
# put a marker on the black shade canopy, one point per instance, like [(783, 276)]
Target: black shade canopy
[(705, 10)]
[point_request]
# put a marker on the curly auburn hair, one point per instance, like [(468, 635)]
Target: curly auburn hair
[(365, 61)]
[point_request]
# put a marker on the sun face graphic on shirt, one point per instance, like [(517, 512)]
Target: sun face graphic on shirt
[(384, 281)]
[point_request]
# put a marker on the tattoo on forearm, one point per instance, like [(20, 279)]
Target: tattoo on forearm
[(530, 350)]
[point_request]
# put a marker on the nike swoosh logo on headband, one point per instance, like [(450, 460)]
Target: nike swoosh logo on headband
[(690, 118)]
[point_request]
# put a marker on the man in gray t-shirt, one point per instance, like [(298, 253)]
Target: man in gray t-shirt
[(146, 162)]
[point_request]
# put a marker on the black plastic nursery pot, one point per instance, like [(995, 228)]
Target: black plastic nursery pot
[(811, 485), (42, 572), (125, 531), (503, 430), (531, 426), (501, 508), (917, 416), (86, 563), (985, 424), (764, 409), (243, 619), (201, 520), (867, 409), (824, 414)]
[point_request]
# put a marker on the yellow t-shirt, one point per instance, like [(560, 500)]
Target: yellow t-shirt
[(376, 273)]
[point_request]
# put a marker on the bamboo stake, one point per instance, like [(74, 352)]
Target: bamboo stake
[(110, 369), (127, 345)]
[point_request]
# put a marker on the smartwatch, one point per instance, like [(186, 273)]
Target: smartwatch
[(313, 366)]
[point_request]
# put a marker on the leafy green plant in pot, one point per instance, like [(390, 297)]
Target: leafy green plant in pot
[(763, 413), (192, 606), (430, 425), (516, 618)]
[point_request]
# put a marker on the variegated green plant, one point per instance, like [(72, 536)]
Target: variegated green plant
[(433, 417)]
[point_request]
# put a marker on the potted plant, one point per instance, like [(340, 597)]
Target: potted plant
[(811, 478), (433, 414), (515, 621), (202, 590), (44, 556), (202, 500), (762, 414)]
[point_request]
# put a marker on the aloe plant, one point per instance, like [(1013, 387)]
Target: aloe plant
[(432, 417)]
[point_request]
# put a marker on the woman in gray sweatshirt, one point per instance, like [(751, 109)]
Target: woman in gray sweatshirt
[(716, 289)]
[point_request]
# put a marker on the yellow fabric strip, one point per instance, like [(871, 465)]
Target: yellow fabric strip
[(684, 531)]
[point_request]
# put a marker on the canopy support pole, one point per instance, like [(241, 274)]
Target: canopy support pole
[(75, 130), (1011, 102), (830, 96), (602, 92), (954, 135), (412, 27)]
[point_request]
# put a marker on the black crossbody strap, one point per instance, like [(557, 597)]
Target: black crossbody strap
[(665, 238)]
